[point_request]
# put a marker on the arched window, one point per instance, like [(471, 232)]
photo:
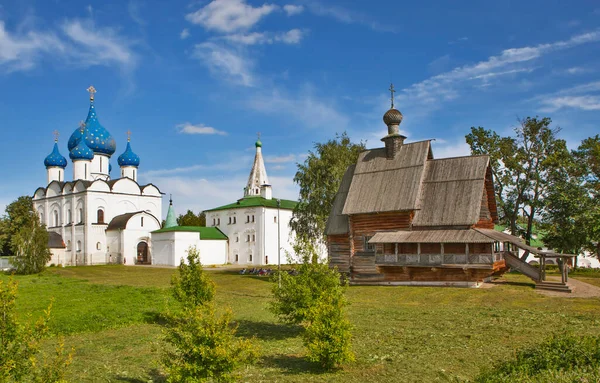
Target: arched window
[(69, 217), (250, 257), (142, 221), (42, 218), (98, 246), (237, 258), (100, 216), (55, 216), (78, 245), (68, 245), (80, 215)]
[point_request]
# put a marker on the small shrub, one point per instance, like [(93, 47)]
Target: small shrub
[(191, 286), (20, 356), (52, 265), (204, 347), (327, 334), (558, 355)]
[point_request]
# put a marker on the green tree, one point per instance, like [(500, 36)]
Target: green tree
[(30, 248), (327, 335), (315, 299), (191, 286), (19, 214), (191, 219), (21, 358), (202, 345), (319, 178), (521, 166)]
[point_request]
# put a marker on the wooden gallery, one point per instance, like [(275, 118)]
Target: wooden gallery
[(402, 217)]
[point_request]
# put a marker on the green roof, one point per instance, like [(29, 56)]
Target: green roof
[(254, 201), (205, 232)]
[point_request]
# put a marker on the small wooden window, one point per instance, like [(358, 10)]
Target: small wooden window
[(252, 217), (275, 219), (98, 246), (234, 220), (368, 246), (253, 238)]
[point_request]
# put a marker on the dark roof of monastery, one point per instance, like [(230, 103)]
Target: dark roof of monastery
[(86, 184), (55, 241), (441, 192)]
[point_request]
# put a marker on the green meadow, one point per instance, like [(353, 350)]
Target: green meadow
[(111, 315)]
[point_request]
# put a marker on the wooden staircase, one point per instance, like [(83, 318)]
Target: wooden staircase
[(534, 273)]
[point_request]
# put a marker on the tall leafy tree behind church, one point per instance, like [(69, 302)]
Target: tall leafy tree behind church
[(191, 219), (319, 178), (521, 166)]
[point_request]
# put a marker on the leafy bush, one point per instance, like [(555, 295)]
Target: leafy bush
[(204, 347), (299, 293), (191, 286), (559, 356), (327, 333), (20, 355)]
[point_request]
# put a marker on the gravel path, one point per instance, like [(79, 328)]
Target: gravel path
[(579, 289)]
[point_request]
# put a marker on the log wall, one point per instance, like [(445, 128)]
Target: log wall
[(339, 252)]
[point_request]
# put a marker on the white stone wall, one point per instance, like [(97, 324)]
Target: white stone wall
[(171, 247)]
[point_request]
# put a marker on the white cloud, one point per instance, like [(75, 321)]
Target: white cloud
[(445, 149), (576, 70), (303, 106), (229, 15), (81, 43), (588, 103), (293, 36), (202, 193), (347, 16), (135, 12), (583, 97), (21, 52), (185, 33), (99, 46), (509, 61), (292, 10), (224, 61), (280, 159), (189, 128)]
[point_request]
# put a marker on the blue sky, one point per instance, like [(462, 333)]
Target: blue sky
[(195, 80)]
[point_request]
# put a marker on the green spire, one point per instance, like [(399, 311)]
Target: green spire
[(171, 221)]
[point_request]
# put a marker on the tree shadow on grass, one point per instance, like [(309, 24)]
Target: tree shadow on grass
[(155, 317), (155, 376), (291, 364), (267, 330)]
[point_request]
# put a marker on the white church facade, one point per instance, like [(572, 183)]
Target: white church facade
[(94, 219)]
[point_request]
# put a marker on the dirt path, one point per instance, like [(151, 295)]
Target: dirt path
[(579, 290)]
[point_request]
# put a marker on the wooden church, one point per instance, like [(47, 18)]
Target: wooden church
[(403, 217)]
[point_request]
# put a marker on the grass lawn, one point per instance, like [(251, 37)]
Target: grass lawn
[(110, 314)]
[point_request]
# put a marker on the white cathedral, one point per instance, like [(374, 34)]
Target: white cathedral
[(94, 219)]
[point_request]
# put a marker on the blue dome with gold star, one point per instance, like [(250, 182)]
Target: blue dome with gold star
[(129, 158), (97, 138), (55, 158), (81, 152)]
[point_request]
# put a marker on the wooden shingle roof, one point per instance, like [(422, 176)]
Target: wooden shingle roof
[(337, 223), (380, 184), (431, 236), (452, 191)]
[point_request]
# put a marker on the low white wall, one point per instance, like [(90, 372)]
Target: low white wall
[(170, 247)]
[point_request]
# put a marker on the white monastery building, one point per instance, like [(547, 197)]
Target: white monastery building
[(94, 219), (254, 227), (257, 224)]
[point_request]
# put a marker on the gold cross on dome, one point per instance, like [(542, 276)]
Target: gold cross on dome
[(56, 134), (81, 126), (91, 91), (128, 135), (392, 91), (258, 134)]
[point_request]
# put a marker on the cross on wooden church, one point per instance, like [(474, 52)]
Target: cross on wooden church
[(392, 91)]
